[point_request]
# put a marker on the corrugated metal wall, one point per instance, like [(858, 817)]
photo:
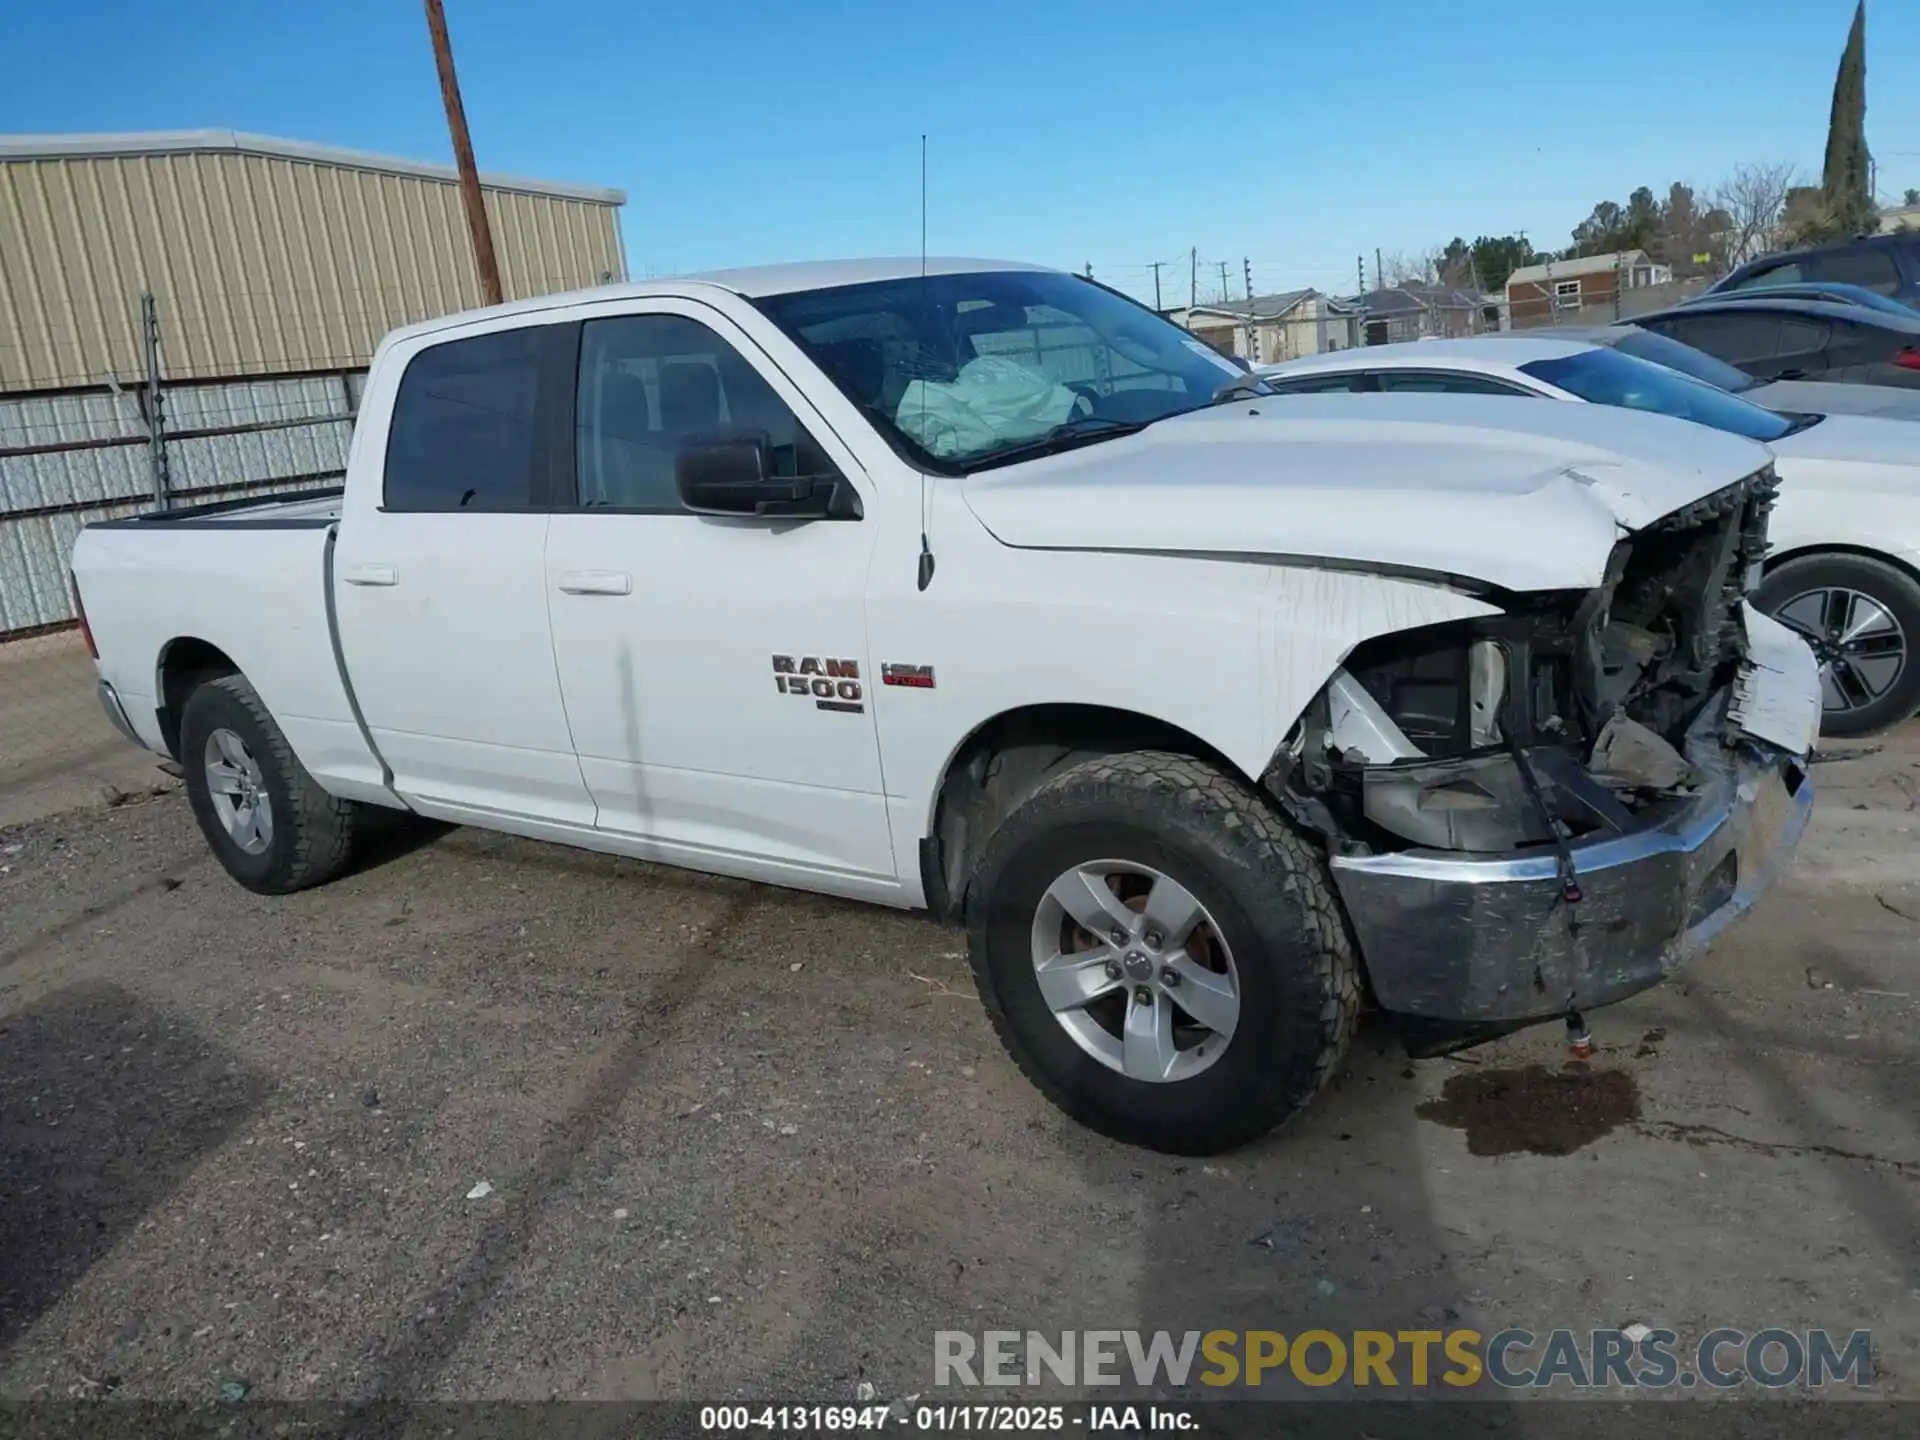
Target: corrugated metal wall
[(66, 460), (267, 258), (260, 263)]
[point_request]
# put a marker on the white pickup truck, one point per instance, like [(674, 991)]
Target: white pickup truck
[(981, 588)]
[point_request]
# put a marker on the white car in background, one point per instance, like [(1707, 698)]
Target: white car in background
[(1844, 567)]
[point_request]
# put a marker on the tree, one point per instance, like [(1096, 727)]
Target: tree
[(1846, 180), (1495, 257), (1912, 197), (1397, 267), (1612, 226), (1686, 232), (1453, 266), (1754, 200), (1643, 221), (1600, 232)]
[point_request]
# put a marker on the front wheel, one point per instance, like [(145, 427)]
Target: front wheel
[(267, 820), (1861, 616), (1161, 954)]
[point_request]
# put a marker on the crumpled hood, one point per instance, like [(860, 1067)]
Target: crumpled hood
[(1519, 493), (1826, 397)]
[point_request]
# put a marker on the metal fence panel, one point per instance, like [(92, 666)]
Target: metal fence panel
[(69, 459)]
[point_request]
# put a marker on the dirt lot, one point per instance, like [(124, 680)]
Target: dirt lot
[(57, 748), (745, 1142)]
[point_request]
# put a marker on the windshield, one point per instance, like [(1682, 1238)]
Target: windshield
[(959, 370), (1606, 377), (1663, 350)]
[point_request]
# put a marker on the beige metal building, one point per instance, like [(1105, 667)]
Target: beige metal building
[(265, 257), (275, 268)]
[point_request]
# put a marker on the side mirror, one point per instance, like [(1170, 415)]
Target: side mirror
[(730, 477)]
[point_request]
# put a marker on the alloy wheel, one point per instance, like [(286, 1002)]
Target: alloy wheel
[(1858, 642), (239, 792), (1135, 970)]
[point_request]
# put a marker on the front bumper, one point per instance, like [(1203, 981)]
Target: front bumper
[(1469, 940)]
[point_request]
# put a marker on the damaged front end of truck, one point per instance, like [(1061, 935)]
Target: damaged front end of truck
[(1538, 812)]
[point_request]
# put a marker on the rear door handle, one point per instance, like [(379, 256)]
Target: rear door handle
[(595, 582), (370, 574)]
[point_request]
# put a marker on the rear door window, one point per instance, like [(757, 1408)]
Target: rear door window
[(1445, 382), (1800, 337), (1868, 266), (1788, 272), (1314, 384), (1735, 338), (462, 435)]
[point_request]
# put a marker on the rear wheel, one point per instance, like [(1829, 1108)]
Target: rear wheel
[(1161, 954), (267, 820), (1862, 618)]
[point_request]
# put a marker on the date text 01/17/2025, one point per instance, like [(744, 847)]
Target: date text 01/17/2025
[(953, 1419)]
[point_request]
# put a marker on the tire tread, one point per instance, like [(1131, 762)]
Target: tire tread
[(323, 826), (1225, 813)]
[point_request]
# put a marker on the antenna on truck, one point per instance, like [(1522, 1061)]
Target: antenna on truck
[(926, 551)]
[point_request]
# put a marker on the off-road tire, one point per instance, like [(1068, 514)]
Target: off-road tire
[(313, 832), (1269, 893), (1892, 588)]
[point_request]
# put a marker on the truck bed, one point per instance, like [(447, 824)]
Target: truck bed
[(300, 509), (250, 580)]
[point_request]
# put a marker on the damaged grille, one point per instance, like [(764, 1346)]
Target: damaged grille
[(1664, 631), (1561, 716)]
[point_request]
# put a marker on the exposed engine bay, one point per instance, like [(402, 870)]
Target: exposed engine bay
[(1559, 718)]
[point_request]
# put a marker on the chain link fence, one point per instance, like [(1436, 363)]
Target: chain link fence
[(1596, 299), (103, 450)]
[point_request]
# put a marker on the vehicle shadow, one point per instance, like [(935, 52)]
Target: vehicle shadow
[(391, 835), (105, 1104)]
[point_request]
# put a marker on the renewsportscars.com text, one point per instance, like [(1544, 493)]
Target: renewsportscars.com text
[(1513, 1359)]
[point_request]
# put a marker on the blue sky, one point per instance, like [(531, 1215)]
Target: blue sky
[(1296, 133)]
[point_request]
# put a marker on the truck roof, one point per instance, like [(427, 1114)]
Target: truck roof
[(750, 281)]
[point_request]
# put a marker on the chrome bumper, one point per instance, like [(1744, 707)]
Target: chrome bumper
[(1456, 938), (117, 713)]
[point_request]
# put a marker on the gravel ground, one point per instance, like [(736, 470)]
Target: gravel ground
[(495, 1119), (58, 751)]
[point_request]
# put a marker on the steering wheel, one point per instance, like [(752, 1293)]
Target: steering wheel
[(1087, 401)]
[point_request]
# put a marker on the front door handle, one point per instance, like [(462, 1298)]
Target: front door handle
[(370, 574), (595, 582)]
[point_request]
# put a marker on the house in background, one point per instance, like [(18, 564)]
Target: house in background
[(1273, 327), (1415, 311), (1899, 217), (1586, 288)]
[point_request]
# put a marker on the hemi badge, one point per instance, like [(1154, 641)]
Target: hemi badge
[(914, 677)]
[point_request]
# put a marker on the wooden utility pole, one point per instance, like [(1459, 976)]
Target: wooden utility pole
[(1156, 287), (476, 207)]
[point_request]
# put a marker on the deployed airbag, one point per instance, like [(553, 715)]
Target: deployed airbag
[(992, 401)]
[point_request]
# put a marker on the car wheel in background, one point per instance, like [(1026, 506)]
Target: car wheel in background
[(1161, 954), (267, 820), (1862, 618)]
